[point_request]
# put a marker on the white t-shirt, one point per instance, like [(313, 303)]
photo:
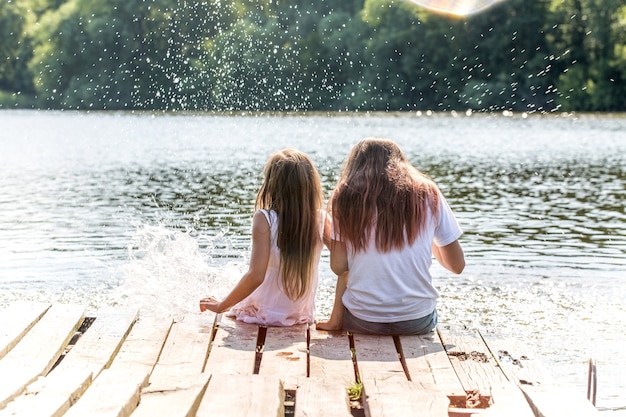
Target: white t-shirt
[(397, 285)]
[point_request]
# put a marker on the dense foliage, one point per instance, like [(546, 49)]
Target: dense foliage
[(520, 55)]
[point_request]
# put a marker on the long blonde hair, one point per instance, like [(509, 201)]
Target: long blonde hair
[(292, 188), (380, 190)]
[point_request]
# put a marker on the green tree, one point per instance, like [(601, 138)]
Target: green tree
[(116, 54), (16, 87), (590, 38)]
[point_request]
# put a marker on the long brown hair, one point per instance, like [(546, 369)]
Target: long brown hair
[(380, 190), (292, 188)]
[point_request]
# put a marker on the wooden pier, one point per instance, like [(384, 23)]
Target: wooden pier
[(55, 361)]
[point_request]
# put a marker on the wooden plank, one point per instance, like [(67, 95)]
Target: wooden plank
[(97, 347), (507, 400), (16, 320), (476, 368), (39, 350), (377, 358), (427, 362), (321, 397), (243, 396), (184, 354), (558, 401), (395, 397), (520, 364), (234, 347), (177, 383), (62, 391), (93, 351), (285, 353), (330, 357), (182, 401), (386, 388), (116, 391), (523, 368)]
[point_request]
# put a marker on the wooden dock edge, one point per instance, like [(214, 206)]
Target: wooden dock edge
[(195, 365)]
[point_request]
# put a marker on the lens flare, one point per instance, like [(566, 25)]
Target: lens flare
[(456, 7)]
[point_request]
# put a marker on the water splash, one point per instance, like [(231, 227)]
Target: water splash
[(456, 7), (167, 273)]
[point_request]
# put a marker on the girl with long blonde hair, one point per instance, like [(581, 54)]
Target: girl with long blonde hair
[(389, 220), (289, 229)]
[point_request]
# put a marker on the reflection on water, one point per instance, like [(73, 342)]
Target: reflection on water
[(156, 210)]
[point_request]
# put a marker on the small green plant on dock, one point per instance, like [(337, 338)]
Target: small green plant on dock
[(355, 391)]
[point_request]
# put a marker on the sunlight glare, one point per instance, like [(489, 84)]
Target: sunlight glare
[(456, 7)]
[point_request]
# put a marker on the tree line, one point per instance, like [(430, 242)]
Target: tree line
[(324, 55)]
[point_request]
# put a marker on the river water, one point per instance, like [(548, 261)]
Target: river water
[(154, 210)]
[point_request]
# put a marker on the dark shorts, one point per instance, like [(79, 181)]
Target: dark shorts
[(419, 326)]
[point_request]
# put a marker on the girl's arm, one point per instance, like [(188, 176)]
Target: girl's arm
[(339, 265), (336, 316), (450, 256), (327, 231), (256, 271), (338, 257)]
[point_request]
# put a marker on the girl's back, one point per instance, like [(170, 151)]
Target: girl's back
[(269, 304)]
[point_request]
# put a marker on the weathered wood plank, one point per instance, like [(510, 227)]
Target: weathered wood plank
[(243, 396), (507, 400), (182, 401), (395, 397), (285, 353), (97, 347), (184, 353), (38, 350), (518, 362), (476, 368), (93, 351), (16, 320), (558, 401), (386, 388), (427, 362), (234, 347), (377, 358), (116, 391), (321, 397), (62, 391), (177, 383), (330, 357)]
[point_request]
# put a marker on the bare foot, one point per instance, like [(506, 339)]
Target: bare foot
[(327, 325)]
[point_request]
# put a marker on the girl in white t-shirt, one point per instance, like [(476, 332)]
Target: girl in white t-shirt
[(389, 220), (289, 230)]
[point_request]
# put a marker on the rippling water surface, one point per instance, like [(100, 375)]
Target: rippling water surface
[(155, 210)]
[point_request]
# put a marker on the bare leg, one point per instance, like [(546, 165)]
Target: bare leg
[(336, 316)]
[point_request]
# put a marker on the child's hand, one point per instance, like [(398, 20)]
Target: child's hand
[(210, 303)]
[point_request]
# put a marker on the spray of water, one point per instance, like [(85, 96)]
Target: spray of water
[(167, 273)]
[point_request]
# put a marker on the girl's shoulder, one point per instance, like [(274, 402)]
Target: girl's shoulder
[(270, 215)]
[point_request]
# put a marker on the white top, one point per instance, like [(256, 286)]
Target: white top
[(268, 304), (397, 285)]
